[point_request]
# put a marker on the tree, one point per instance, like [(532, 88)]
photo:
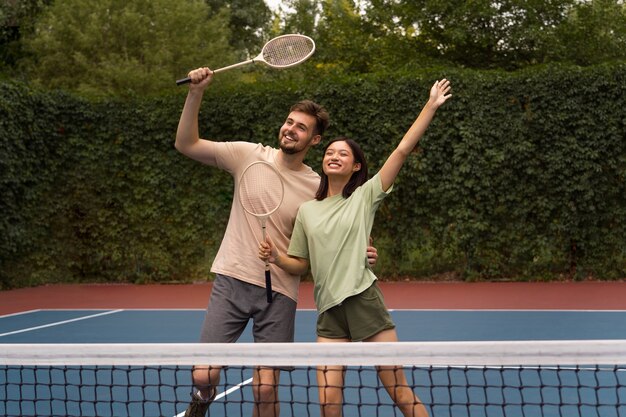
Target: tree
[(506, 34), (477, 34), (16, 19), (301, 16), (378, 35), (124, 47), (343, 43), (349, 39), (249, 23), (594, 32)]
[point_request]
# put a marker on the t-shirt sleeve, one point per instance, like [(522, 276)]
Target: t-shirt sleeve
[(373, 192), (298, 246), (229, 155)]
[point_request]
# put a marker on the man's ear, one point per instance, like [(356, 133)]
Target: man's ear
[(316, 139)]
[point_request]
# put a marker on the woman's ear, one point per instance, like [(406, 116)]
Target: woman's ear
[(356, 167)]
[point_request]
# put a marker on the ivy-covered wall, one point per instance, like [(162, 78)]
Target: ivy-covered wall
[(520, 175)]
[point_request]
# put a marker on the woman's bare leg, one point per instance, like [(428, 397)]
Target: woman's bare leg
[(330, 380), (394, 380)]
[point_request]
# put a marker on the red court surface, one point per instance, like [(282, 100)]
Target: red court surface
[(588, 295)]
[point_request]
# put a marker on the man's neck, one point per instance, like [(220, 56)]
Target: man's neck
[(293, 162)]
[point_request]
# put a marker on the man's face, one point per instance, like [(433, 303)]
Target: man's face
[(297, 133)]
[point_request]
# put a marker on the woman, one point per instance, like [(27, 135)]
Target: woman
[(331, 233)]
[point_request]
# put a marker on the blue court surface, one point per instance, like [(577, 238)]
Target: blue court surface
[(447, 392)]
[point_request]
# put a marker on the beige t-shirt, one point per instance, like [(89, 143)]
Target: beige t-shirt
[(237, 256)]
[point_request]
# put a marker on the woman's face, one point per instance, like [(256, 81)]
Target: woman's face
[(339, 160)]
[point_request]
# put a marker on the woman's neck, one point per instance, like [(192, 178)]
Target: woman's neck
[(336, 185)]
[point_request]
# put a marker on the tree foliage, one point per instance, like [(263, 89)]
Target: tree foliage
[(249, 23), (372, 35), (594, 32), (124, 47), (300, 16), (16, 18), (476, 34), (143, 45)]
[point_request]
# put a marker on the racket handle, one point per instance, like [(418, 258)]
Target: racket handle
[(268, 286), (182, 81), (187, 80)]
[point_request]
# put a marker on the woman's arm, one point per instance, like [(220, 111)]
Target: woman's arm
[(291, 264), (439, 93)]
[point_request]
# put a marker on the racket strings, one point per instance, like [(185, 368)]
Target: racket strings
[(260, 190), (287, 50)]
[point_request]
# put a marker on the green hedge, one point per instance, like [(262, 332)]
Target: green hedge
[(521, 175)]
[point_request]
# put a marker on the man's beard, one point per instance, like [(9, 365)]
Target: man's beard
[(289, 150)]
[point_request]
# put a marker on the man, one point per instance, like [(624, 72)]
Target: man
[(238, 293)]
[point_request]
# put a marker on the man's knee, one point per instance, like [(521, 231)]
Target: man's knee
[(205, 376)]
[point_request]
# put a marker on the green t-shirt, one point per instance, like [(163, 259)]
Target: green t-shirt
[(333, 234)]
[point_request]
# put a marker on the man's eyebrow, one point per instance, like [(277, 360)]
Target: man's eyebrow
[(289, 119)]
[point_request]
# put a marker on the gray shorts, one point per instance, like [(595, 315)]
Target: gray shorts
[(233, 303)]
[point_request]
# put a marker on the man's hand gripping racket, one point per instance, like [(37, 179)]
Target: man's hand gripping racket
[(281, 52), (261, 193)]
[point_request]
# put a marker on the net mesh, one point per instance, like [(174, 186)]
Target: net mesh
[(288, 50), (260, 189), (491, 379)]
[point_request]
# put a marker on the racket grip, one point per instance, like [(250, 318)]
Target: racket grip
[(268, 286), (182, 81)]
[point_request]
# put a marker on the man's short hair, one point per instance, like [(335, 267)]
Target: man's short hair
[(313, 109)]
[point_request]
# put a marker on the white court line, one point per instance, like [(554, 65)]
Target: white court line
[(19, 313), (60, 322), (223, 394)]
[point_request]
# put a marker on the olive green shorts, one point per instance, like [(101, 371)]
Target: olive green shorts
[(357, 318)]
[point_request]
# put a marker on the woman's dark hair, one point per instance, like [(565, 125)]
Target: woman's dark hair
[(357, 179)]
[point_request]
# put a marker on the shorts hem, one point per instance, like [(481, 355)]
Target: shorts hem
[(387, 326)]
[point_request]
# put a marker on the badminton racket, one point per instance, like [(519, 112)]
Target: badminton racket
[(261, 193), (281, 52)]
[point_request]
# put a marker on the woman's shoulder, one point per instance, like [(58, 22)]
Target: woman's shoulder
[(319, 205)]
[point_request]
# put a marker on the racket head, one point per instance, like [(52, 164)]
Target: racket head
[(261, 189), (287, 50)]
